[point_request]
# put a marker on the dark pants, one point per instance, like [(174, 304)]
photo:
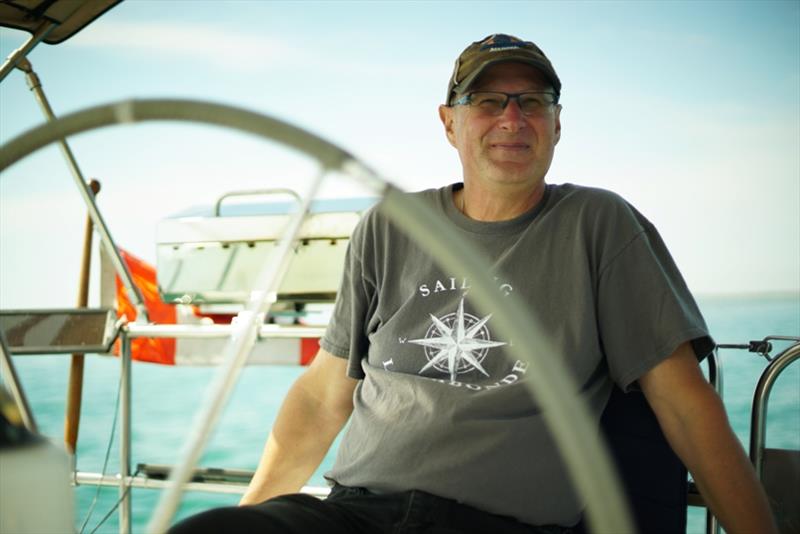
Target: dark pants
[(356, 510)]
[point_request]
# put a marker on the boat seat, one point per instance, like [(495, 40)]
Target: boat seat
[(653, 476), (781, 478), (59, 331)]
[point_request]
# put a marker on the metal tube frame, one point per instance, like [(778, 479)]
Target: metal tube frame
[(134, 331), (15, 387), (86, 194), (15, 57), (83, 478), (758, 421), (256, 192), (715, 371), (125, 434), (715, 378), (219, 331)]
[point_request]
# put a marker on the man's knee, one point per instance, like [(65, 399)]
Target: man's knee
[(230, 519)]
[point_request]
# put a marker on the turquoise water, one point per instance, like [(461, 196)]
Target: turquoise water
[(166, 397)]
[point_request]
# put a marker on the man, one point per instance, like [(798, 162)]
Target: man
[(443, 435)]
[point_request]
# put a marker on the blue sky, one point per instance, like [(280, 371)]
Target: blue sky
[(691, 110)]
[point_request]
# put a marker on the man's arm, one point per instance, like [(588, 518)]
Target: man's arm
[(694, 421), (312, 414)]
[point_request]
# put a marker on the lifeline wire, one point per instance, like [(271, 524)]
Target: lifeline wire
[(105, 462), (116, 504)]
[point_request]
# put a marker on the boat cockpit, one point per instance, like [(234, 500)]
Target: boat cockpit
[(247, 282)]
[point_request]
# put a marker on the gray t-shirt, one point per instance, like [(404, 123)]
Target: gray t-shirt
[(440, 407)]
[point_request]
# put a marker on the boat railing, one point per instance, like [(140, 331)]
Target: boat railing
[(781, 465), (778, 469)]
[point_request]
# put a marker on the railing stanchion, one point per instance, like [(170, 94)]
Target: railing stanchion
[(715, 378), (758, 421), (125, 435)]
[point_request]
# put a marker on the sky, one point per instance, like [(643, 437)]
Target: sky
[(689, 110)]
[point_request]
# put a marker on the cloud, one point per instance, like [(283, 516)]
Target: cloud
[(228, 49), (238, 51)]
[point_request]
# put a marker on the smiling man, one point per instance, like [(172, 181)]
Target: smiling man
[(505, 150), (443, 435)]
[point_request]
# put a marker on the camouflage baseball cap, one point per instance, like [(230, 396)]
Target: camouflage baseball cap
[(493, 49)]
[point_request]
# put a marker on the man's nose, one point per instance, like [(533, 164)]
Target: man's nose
[(512, 117)]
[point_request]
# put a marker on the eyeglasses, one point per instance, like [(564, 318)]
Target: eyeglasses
[(494, 102)]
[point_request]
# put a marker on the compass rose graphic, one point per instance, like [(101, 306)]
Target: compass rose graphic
[(457, 343)]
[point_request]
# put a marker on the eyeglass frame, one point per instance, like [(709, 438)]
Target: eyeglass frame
[(464, 100)]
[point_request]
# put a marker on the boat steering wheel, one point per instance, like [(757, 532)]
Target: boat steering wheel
[(566, 414)]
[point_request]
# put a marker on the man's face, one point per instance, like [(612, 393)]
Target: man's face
[(511, 149)]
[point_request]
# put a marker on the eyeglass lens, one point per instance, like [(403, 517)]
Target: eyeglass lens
[(493, 103)]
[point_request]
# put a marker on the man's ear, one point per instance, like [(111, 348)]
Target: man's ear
[(446, 116), (558, 124)]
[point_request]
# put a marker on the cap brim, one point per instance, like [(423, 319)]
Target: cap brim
[(465, 84)]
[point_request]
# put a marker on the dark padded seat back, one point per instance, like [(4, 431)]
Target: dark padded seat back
[(652, 475)]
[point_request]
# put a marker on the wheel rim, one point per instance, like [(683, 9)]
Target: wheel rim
[(566, 415)]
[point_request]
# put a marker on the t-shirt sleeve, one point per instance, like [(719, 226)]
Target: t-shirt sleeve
[(645, 310), (345, 335)]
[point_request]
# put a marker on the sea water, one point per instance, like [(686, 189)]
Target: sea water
[(165, 400)]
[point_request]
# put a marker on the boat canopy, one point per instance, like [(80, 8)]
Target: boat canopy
[(205, 257), (68, 16)]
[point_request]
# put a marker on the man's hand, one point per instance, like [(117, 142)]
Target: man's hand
[(693, 419)]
